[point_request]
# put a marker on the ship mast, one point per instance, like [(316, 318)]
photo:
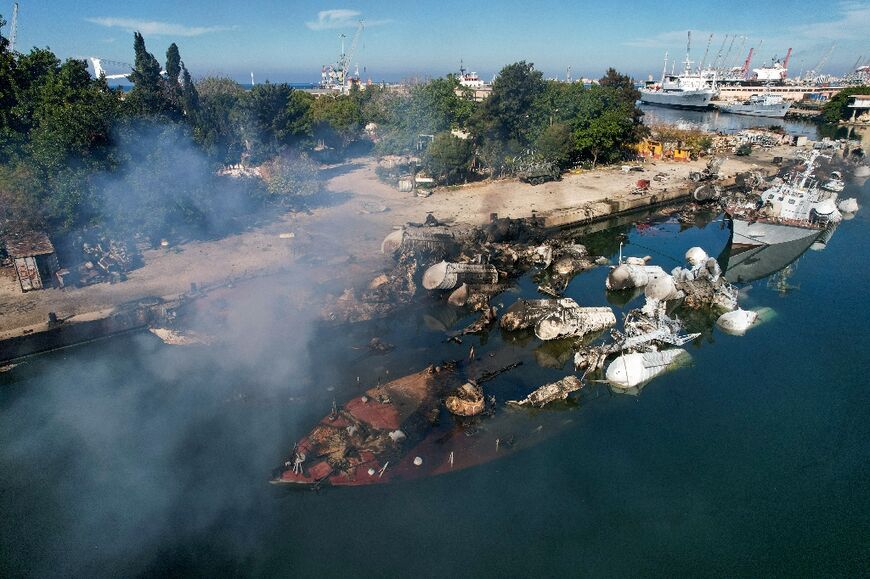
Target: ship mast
[(688, 48)]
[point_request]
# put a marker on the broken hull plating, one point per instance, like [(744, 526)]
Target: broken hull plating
[(746, 263), (445, 445)]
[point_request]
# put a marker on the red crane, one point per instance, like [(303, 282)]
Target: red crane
[(745, 69), (785, 64)]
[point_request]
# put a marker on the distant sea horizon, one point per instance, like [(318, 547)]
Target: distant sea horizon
[(126, 87)]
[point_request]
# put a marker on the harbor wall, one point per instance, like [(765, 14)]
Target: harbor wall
[(51, 336)]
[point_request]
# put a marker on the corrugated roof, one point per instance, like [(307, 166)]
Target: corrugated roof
[(28, 244)]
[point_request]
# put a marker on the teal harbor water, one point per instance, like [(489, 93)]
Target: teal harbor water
[(127, 457)]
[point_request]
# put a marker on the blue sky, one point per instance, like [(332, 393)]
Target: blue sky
[(290, 40)]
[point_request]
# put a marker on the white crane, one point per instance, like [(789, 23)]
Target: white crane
[(817, 71), (14, 30), (346, 57), (99, 70)]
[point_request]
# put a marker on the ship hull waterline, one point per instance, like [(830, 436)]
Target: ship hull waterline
[(693, 100)]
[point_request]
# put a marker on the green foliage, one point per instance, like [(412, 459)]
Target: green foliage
[(189, 95), (605, 125), (268, 122), (151, 94), (837, 109), (290, 179), (218, 123), (555, 144), (506, 113), (336, 120), (431, 107), (173, 64), (622, 83), (448, 158)]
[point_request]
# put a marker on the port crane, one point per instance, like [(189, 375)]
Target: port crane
[(816, 72), (100, 70), (13, 31), (337, 77)]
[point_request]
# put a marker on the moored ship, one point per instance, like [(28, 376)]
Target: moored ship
[(758, 105), (687, 90)]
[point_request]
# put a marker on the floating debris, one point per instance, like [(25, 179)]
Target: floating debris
[(849, 205), (632, 370), (524, 314), (575, 322), (459, 297), (736, 322), (550, 393), (627, 276), (468, 400), (446, 275), (181, 338)]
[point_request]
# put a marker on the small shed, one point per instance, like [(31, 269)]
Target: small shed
[(34, 258)]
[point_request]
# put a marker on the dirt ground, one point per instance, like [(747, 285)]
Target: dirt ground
[(350, 231)]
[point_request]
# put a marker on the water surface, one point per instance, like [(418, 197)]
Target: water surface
[(128, 457)]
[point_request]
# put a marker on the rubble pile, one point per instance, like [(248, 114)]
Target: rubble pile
[(104, 260)]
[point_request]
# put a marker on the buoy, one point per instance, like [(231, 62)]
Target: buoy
[(418, 461)]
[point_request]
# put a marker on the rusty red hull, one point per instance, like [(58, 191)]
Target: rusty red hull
[(353, 446)]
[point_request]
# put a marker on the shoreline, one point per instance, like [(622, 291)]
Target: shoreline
[(348, 234)]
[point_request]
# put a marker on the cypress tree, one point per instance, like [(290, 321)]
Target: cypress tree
[(189, 94), (173, 64), (147, 97)]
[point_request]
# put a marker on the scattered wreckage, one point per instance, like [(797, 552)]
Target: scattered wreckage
[(633, 370), (550, 393)]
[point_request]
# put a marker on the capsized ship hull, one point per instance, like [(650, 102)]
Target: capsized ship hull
[(401, 431)]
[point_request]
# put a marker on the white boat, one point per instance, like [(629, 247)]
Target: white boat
[(759, 105), (793, 210), (835, 183), (687, 90)]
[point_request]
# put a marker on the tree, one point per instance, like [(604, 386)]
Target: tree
[(429, 108), (604, 136), (837, 109), (290, 178), (555, 144), (269, 123), (8, 93), (148, 96), (622, 83), (218, 123), (189, 95), (448, 158), (336, 120), (173, 64), (506, 113)]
